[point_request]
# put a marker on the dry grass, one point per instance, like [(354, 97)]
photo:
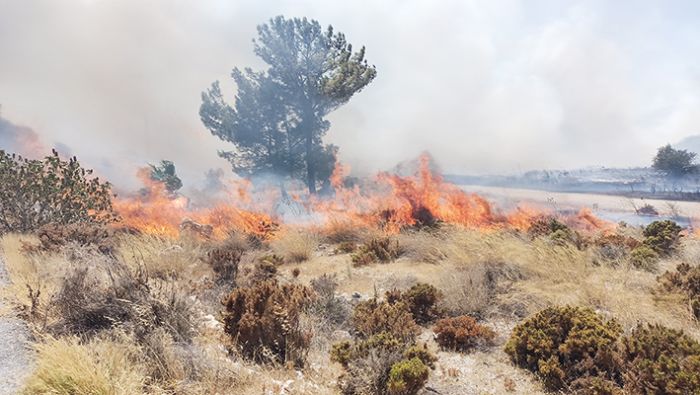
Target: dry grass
[(295, 245)]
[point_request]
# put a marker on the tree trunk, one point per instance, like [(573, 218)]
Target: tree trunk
[(310, 164)]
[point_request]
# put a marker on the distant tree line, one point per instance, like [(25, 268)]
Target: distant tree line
[(674, 162), (277, 121)]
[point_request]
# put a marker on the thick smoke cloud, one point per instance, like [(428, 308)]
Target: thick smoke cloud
[(485, 86)]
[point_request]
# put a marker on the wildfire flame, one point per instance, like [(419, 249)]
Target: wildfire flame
[(387, 201)]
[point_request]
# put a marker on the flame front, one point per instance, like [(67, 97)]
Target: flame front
[(387, 201)]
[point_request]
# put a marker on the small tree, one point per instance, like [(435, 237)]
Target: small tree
[(278, 120), (673, 162), (165, 173), (39, 192)]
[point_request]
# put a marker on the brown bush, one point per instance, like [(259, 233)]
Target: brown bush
[(263, 321), (94, 299), (377, 250), (659, 360), (225, 257), (421, 299), (372, 317), (462, 333), (613, 246), (686, 279), (53, 237)]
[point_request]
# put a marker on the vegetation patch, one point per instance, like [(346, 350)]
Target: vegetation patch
[(384, 250), (462, 333)]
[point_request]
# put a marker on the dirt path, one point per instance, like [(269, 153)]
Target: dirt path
[(15, 357)]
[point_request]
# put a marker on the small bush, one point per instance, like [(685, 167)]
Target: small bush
[(546, 225), (346, 247), (331, 308), (613, 246), (224, 259), (263, 321), (295, 246), (407, 377), (686, 279), (562, 344), (644, 258), (421, 299), (662, 236), (377, 250), (34, 193), (462, 333), (53, 237), (659, 360), (372, 317)]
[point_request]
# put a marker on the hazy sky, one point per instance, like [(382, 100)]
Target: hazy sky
[(485, 86)]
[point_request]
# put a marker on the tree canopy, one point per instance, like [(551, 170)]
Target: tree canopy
[(277, 122), (674, 162), (165, 173)]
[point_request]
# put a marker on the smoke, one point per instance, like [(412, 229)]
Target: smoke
[(484, 86), (21, 140)]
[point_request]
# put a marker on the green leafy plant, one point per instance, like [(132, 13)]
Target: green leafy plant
[(462, 333), (645, 258), (34, 193), (407, 377), (562, 344)]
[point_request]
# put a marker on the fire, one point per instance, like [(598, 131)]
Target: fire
[(387, 201)]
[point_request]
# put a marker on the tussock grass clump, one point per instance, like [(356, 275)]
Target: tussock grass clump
[(295, 245), (333, 310), (67, 367), (384, 250), (263, 321), (462, 333), (562, 344)]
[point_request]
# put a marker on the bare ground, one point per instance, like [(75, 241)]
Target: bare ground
[(15, 356)]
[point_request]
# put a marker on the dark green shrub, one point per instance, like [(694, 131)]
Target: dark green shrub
[(659, 360), (372, 317), (39, 192), (263, 321), (662, 236), (462, 333), (644, 258), (377, 250), (562, 344), (407, 377), (421, 299)]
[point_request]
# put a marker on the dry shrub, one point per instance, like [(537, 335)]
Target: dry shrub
[(562, 344), (659, 360), (340, 232), (471, 289), (346, 247), (295, 245), (385, 249), (462, 333), (685, 280), (545, 225), (372, 317), (54, 237), (65, 366), (334, 311), (424, 246), (263, 321), (99, 298), (614, 247), (224, 258), (421, 299)]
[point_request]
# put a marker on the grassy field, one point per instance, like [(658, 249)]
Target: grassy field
[(146, 315)]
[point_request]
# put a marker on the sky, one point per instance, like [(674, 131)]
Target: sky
[(486, 86)]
